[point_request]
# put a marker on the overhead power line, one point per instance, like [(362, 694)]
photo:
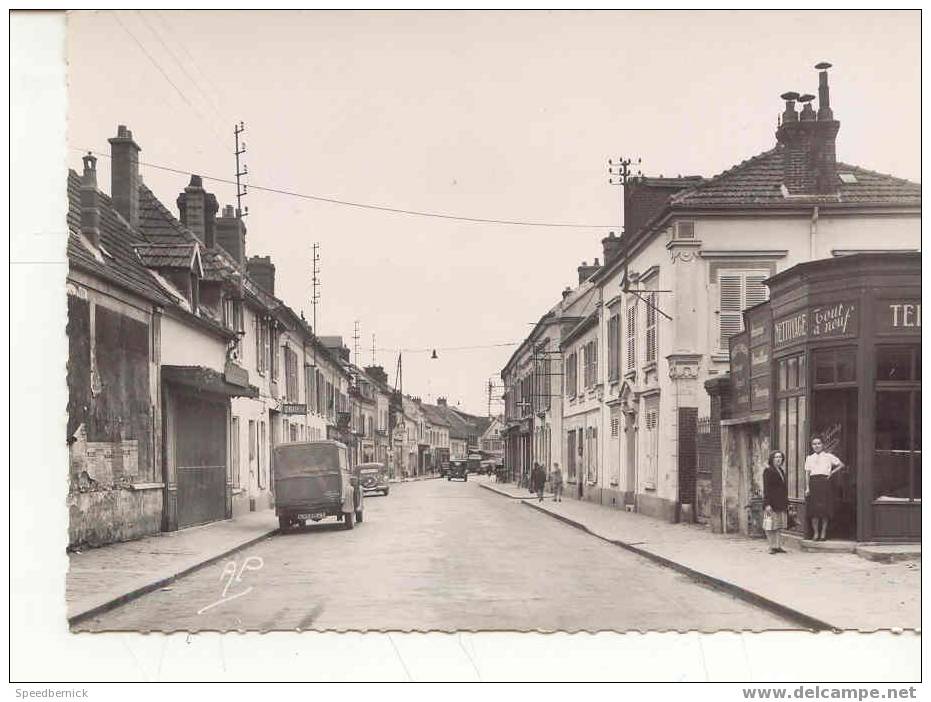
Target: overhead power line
[(165, 75), (180, 65), (363, 205), (454, 348)]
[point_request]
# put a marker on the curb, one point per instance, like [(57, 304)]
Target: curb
[(753, 598), (507, 494), (150, 587)]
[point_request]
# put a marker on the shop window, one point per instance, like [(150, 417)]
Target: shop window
[(897, 448), (898, 363), (834, 366), (791, 409)]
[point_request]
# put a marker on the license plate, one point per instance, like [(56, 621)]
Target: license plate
[(316, 516)]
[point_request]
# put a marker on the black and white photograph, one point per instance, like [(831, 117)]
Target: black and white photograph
[(469, 323)]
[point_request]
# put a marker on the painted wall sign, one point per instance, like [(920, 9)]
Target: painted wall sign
[(740, 372), (899, 316), (759, 394), (790, 329), (838, 319)]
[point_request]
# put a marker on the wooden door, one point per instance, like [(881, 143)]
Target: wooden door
[(200, 444)]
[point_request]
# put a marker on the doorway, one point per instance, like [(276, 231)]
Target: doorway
[(834, 419)]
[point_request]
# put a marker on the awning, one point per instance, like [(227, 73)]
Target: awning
[(206, 380)]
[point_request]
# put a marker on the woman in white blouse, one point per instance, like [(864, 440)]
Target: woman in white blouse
[(820, 466)]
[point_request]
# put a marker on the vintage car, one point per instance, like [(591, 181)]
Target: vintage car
[(373, 477), (312, 481), (475, 463), (458, 470)]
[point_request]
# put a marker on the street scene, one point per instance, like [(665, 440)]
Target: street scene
[(449, 556), (681, 392)]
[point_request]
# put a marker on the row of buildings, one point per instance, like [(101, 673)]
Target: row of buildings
[(185, 370), (736, 315)]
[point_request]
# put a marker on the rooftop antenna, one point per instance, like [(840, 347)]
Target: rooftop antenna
[(240, 171), (373, 348), (619, 172), (355, 343), (315, 281)]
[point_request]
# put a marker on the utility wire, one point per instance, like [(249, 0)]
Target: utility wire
[(218, 100), (454, 348), (180, 65), (362, 205), (165, 75)]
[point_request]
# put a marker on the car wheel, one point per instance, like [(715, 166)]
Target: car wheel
[(386, 492), (348, 519), (359, 516), (448, 478), (283, 523)]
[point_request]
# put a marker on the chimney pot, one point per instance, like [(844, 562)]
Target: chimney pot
[(825, 113), (808, 113), (90, 201), (124, 175)]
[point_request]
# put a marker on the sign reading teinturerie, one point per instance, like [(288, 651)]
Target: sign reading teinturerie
[(818, 322), (899, 316)]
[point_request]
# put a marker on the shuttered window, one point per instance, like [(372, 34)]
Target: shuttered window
[(631, 349), (651, 328), (738, 290), (614, 350)]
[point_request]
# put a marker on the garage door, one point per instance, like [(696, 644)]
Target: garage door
[(200, 459)]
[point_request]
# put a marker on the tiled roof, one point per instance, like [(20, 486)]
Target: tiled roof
[(167, 255), (758, 181), (435, 415), (119, 263)]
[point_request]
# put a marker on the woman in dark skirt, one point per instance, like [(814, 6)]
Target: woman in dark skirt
[(776, 500), (820, 466)]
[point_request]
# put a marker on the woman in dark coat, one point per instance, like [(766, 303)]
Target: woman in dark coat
[(775, 500)]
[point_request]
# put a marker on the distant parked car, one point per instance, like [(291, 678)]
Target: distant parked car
[(444, 469), (458, 470), (373, 477)]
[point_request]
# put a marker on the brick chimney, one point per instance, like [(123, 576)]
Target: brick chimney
[(378, 373), (262, 271), (587, 271), (124, 175), (566, 292), (231, 234), (611, 247), (441, 401), (198, 210), (90, 201), (808, 140)]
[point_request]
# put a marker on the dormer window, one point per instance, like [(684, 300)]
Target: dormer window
[(848, 178)]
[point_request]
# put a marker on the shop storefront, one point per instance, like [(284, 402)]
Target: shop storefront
[(836, 352)]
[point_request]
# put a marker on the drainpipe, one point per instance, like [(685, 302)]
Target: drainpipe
[(813, 232)]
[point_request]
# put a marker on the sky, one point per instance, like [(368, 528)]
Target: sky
[(489, 115)]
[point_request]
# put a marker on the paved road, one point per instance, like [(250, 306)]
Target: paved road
[(437, 555)]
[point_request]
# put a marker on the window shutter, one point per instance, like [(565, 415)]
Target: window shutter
[(755, 290), (731, 306), (631, 336), (651, 328)]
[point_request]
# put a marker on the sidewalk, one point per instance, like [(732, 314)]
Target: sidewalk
[(820, 590), (102, 578)]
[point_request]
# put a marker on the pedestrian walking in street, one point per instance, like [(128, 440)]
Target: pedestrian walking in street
[(556, 483), (776, 500), (820, 465), (538, 480)]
